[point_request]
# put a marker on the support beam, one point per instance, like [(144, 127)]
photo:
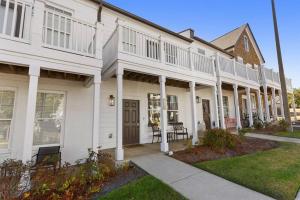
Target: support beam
[(164, 146), (34, 73), (259, 106), (96, 112), (215, 100), (119, 123), (194, 113), (221, 105), (281, 105), (274, 107), (249, 106), (266, 99), (237, 106)]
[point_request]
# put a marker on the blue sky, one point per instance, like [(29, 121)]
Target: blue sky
[(212, 18)]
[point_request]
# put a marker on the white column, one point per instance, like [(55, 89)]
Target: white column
[(194, 113), (221, 108), (37, 24), (260, 111), (34, 73), (237, 106), (266, 99), (281, 104), (164, 146), (99, 40), (96, 112), (274, 107), (249, 106), (119, 136), (215, 100)]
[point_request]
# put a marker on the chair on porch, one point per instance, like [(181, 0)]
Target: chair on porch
[(48, 157), (179, 129), (156, 132)]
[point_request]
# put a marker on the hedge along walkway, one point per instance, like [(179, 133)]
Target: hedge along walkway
[(194, 183), (274, 138)]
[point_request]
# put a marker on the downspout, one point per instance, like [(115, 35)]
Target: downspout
[(99, 18)]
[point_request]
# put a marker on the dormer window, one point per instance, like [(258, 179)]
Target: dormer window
[(246, 43)]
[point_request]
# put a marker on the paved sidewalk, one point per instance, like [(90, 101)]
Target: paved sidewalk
[(274, 138), (193, 183)]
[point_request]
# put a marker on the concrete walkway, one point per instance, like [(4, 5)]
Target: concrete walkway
[(193, 183), (274, 138)]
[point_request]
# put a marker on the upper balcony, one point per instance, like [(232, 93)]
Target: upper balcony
[(41, 30), (272, 79), (159, 52), (232, 71)]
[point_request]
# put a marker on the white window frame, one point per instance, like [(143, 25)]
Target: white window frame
[(246, 43), (227, 106), (62, 132), (11, 132)]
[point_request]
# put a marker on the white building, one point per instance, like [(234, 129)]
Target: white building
[(82, 74)]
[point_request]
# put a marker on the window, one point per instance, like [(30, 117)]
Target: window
[(253, 102), (201, 51), (154, 108), (226, 106), (171, 53), (49, 118), (152, 49), (246, 43), (57, 27), (129, 40), (7, 99), (172, 109)]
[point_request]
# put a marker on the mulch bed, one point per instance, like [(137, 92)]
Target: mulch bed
[(120, 180), (203, 153)]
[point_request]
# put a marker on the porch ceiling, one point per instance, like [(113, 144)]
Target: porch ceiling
[(44, 73), (135, 76)]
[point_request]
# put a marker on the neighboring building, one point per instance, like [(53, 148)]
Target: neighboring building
[(55, 54)]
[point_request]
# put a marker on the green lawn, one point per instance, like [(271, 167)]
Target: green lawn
[(275, 172), (146, 188), (295, 134)]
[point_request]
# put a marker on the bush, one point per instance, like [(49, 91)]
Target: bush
[(219, 139), (283, 124), (258, 125)]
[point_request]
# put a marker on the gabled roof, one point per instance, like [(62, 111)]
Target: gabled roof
[(229, 39)]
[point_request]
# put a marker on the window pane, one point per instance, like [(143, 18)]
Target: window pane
[(172, 116), (4, 133), (49, 118), (154, 117)]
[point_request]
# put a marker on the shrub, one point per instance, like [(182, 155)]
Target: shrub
[(258, 125), (283, 124), (219, 139)]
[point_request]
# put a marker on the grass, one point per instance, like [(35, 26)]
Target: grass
[(275, 173), (295, 134), (146, 188)]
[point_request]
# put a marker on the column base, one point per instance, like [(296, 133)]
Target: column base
[(195, 141), (119, 154), (164, 147)]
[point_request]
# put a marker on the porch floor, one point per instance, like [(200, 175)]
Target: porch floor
[(148, 149)]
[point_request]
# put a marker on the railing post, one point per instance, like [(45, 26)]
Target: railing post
[(191, 59), (119, 25), (213, 60), (234, 67), (99, 40), (162, 50), (217, 64), (247, 72), (37, 24)]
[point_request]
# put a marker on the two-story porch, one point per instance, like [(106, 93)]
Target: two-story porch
[(167, 80), (50, 68)]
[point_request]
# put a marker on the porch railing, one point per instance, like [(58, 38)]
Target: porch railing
[(63, 32), (241, 70), (253, 74), (176, 55), (15, 19), (203, 63), (227, 65)]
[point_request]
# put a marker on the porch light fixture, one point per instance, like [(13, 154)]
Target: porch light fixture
[(111, 100), (198, 99)]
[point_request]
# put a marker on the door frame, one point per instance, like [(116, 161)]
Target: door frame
[(140, 119)]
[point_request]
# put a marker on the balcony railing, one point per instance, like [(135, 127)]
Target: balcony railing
[(62, 32), (128, 40), (15, 20), (235, 69)]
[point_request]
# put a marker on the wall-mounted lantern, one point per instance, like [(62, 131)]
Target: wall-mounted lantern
[(198, 99), (112, 100)]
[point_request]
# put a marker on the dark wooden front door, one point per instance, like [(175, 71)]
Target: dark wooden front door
[(206, 113), (131, 122)]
